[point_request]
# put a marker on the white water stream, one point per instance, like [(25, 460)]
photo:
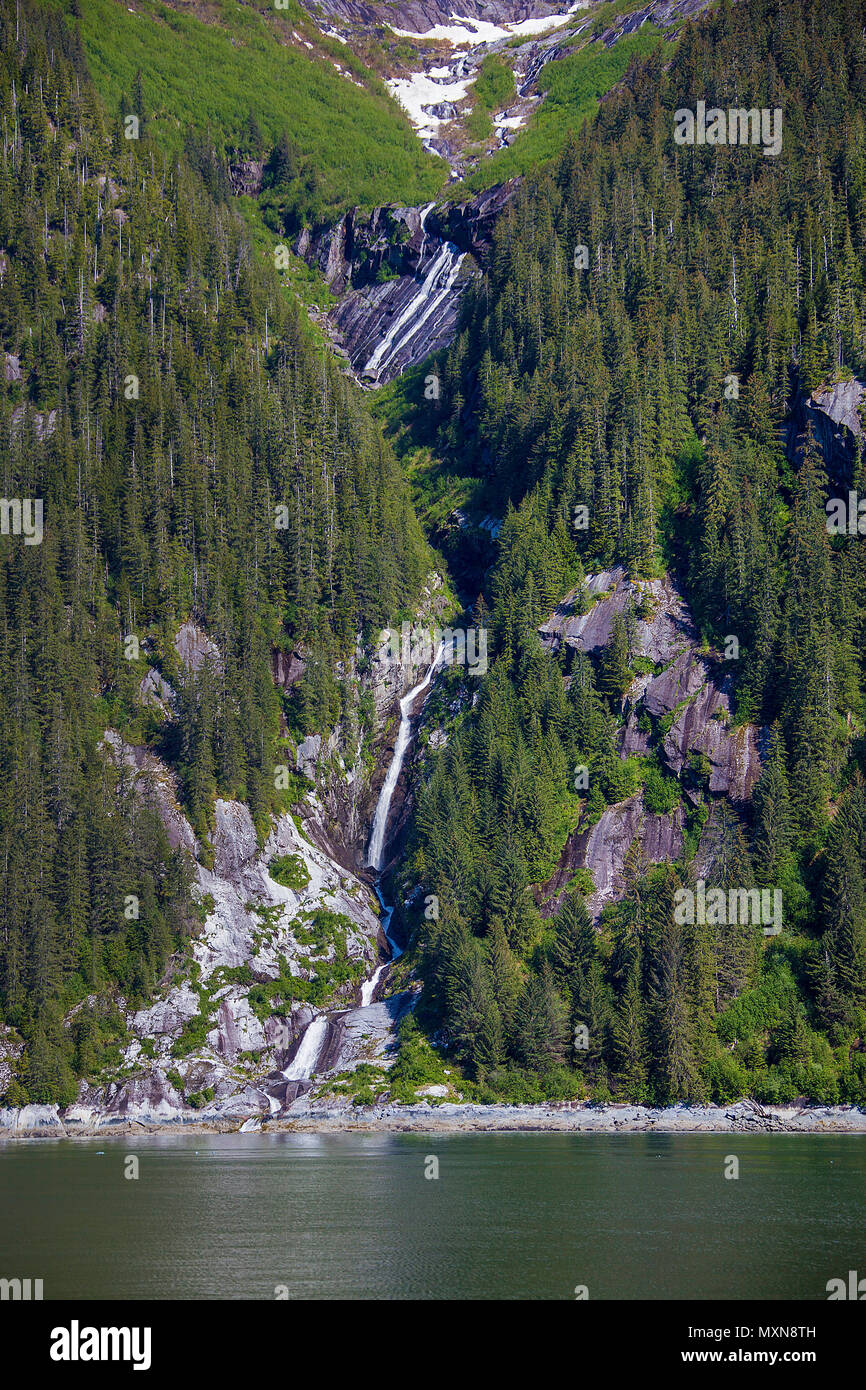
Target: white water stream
[(305, 1060), (376, 849), (432, 291), (303, 1064)]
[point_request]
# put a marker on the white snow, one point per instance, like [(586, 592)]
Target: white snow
[(440, 83), (419, 90), (477, 31)]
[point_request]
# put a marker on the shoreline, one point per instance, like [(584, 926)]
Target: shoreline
[(742, 1117)]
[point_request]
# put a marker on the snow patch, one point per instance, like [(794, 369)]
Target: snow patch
[(478, 31), (422, 89)]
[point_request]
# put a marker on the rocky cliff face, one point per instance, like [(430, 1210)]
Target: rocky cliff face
[(835, 415), (683, 708), (401, 287), (215, 1043), (347, 765), (401, 274), (419, 16), (254, 927), (469, 224)]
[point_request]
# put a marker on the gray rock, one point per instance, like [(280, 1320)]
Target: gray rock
[(150, 1097), (365, 1035), (443, 110), (662, 636), (193, 646), (693, 693), (156, 692), (31, 1119), (308, 754), (288, 667), (834, 414), (602, 849)]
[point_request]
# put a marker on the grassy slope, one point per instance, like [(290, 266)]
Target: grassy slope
[(242, 60), (572, 88)]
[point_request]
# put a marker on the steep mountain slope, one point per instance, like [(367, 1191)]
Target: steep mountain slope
[(248, 74), (646, 386), (215, 508), (632, 405)]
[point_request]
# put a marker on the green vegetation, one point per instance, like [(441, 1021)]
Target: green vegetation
[(187, 403), (245, 81), (198, 1099), (335, 972), (602, 386), (572, 87), (494, 86), (200, 455), (289, 870), (492, 90), (193, 1036)]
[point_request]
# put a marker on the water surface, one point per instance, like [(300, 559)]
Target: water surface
[(510, 1216)]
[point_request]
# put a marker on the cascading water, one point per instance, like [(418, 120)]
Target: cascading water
[(305, 1060), (433, 290), (368, 988), (376, 849), (303, 1064)]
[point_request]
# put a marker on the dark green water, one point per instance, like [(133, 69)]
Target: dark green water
[(510, 1216)]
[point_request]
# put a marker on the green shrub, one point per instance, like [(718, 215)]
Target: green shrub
[(661, 793), (290, 871)]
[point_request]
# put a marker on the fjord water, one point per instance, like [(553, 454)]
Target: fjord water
[(510, 1216)]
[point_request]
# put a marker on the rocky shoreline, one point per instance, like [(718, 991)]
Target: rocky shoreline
[(314, 1116)]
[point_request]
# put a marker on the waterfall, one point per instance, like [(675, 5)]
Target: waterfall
[(368, 988), (303, 1064), (376, 850), (433, 290)]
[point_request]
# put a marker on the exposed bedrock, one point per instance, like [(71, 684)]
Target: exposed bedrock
[(383, 329), (662, 635), (400, 274), (603, 848), (418, 16), (683, 710), (470, 224), (835, 415), (364, 1035), (351, 253)]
